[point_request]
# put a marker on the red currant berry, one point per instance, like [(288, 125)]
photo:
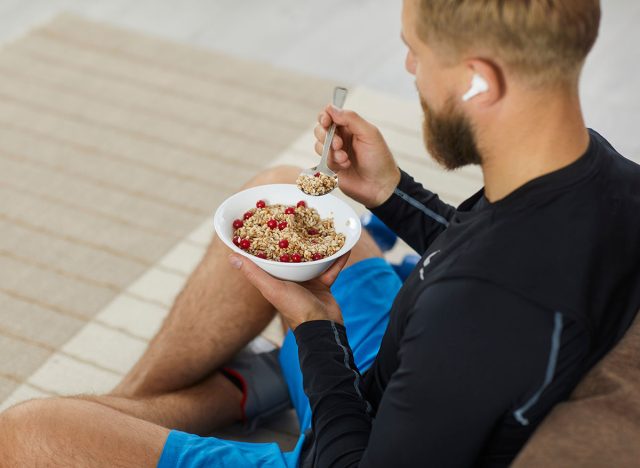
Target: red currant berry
[(247, 215), (285, 258), (296, 258), (260, 204), (301, 203), (282, 225), (317, 174), (245, 244), (317, 256), (283, 244), (236, 240), (272, 224), (237, 223), (290, 210), (312, 231), (261, 255)]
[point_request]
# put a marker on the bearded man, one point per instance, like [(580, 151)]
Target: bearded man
[(520, 290)]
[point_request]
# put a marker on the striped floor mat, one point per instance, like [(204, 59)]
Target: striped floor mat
[(115, 148)]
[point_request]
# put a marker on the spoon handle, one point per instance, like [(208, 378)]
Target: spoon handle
[(339, 96)]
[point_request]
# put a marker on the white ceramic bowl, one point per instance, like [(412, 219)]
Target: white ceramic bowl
[(346, 221)]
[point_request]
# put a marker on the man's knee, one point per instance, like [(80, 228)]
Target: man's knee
[(283, 174), (22, 432)]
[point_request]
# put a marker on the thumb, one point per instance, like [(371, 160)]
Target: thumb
[(329, 276), (349, 119), (263, 281)]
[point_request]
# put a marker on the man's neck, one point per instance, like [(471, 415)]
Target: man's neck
[(535, 136)]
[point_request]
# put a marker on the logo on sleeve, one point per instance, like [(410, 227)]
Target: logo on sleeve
[(426, 263)]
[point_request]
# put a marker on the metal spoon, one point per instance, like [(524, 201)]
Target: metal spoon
[(339, 96)]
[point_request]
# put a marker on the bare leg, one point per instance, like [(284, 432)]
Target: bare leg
[(64, 432), (175, 383), (199, 409), (214, 316)]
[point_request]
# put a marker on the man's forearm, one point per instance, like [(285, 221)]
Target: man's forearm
[(341, 418), (414, 213)]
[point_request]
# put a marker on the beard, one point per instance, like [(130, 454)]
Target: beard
[(449, 136)]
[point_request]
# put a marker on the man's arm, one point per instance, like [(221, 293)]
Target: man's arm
[(414, 213), (341, 419), (471, 353), (369, 174)]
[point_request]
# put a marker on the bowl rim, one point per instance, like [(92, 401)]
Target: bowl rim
[(217, 222)]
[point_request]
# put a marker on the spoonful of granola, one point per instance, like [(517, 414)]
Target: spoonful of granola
[(321, 180)]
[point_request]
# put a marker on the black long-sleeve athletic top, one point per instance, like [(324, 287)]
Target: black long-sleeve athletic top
[(511, 304)]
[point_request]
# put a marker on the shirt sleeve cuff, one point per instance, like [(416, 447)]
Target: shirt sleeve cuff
[(389, 205), (312, 330)]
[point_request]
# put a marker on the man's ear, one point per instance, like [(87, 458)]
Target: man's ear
[(485, 82)]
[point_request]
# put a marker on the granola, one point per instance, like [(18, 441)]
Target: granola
[(286, 233), (318, 184)]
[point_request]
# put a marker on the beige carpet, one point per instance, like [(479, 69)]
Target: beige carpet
[(115, 149), (114, 146)]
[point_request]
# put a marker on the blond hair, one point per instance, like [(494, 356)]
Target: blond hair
[(543, 41)]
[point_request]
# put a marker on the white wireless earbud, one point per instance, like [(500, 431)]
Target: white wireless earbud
[(478, 86)]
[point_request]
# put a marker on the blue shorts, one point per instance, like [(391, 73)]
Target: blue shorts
[(365, 292)]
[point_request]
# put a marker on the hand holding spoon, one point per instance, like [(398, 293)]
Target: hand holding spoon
[(321, 180)]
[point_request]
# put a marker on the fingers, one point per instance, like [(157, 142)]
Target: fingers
[(345, 118), (321, 134), (263, 281), (324, 119), (269, 286), (337, 161), (341, 159), (349, 119), (329, 276), (338, 158)]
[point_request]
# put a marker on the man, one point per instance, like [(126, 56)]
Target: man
[(520, 290)]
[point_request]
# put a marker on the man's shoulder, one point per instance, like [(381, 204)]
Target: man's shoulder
[(621, 171), (615, 198)]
